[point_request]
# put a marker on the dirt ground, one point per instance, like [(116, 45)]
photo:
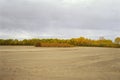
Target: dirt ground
[(76, 63)]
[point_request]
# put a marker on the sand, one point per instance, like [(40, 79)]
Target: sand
[(76, 63)]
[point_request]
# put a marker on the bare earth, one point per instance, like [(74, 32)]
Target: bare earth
[(78, 63)]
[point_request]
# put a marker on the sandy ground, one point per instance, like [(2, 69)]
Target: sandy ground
[(78, 63)]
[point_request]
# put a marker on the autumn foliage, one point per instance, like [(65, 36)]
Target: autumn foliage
[(62, 42)]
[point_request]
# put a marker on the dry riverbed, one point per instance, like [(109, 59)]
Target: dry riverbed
[(76, 63)]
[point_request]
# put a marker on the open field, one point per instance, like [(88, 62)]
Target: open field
[(77, 63)]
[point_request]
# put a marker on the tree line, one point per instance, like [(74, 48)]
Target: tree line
[(81, 41)]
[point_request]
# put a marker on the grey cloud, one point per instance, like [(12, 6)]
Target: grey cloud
[(60, 17)]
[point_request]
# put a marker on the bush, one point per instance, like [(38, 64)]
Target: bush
[(53, 45), (38, 44)]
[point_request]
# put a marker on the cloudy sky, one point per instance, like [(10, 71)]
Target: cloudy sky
[(59, 18)]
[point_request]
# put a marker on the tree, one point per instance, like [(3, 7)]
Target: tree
[(117, 40)]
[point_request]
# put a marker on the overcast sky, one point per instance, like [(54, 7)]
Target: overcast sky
[(59, 18)]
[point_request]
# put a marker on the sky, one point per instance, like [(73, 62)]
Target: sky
[(24, 19)]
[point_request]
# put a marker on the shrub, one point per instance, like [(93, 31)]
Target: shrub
[(53, 45), (38, 44)]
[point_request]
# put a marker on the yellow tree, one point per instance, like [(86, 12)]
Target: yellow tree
[(117, 40)]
